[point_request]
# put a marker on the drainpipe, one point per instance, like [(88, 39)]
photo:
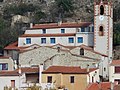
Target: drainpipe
[(40, 72)]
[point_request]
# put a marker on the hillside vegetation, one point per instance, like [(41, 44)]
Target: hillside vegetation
[(42, 12)]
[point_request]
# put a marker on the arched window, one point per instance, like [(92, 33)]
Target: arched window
[(81, 51), (101, 31), (101, 10)]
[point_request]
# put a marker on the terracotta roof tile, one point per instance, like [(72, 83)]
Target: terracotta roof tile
[(47, 35), (23, 70), (14, 46), (102, 86), (4, 57), (63, 25), (67, 70), (115, 62)]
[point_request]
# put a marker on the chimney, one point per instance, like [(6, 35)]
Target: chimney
[(78, 21), (59, 23), (31, 25), (40, 72), (88, 69)]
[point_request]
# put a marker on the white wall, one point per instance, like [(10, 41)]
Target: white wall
[(112, 74), (94, 74), (87, 40), (9, 61), (6, 81)]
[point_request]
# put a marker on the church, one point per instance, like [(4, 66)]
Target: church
[(83, 44)]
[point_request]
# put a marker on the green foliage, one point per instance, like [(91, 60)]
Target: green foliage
[(64, 7), (9, 88), (34, 87), (20, 9), (116, 39)]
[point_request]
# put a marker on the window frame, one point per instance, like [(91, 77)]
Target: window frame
[(72, 79), (71, 38), (82, 51), (43, 31), (2, 67), (43, 41), (117, 69), (52, 40), (49, 79), (28, 40), (101, 31), (79, 39), (82, 29), (62, 30)]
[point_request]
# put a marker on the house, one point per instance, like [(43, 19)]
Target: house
[(6, 63), (70, 78), (114, 71), (21, 78)]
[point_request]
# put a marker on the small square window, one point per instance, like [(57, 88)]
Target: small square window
[(82, 29), (3, 66), (52, 40), (71, 40), (62, 30), (49, 79), (43, 40), (71, 79), (28, 40), (43, 31), (80, 39)]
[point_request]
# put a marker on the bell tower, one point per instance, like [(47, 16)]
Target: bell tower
[(103, 27)]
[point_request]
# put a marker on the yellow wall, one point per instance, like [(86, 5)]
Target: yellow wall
[(80, 80)]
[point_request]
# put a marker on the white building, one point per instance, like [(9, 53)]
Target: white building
[(67, 34), (114, 71), (21, 78)]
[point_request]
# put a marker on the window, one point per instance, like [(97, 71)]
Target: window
[(62, 30), (82, 29), (80, 39), (52, 40), (43, 40), (101, 32), (81, 51), (117, 69), (3, 66), (117, 80), (71, 40), (13, 83), (49, 79), (71, 79), (43, 31), (104, 69), (101, 10), (92, 28), (28, 40)]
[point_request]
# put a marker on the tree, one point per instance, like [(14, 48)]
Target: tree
[(64, 7)]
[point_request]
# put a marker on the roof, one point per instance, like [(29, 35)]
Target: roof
[(4, 57), (47, 35), (115, 62), (23, 70), (67, 70), (63, 25), (102, 86), (13, 46)]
